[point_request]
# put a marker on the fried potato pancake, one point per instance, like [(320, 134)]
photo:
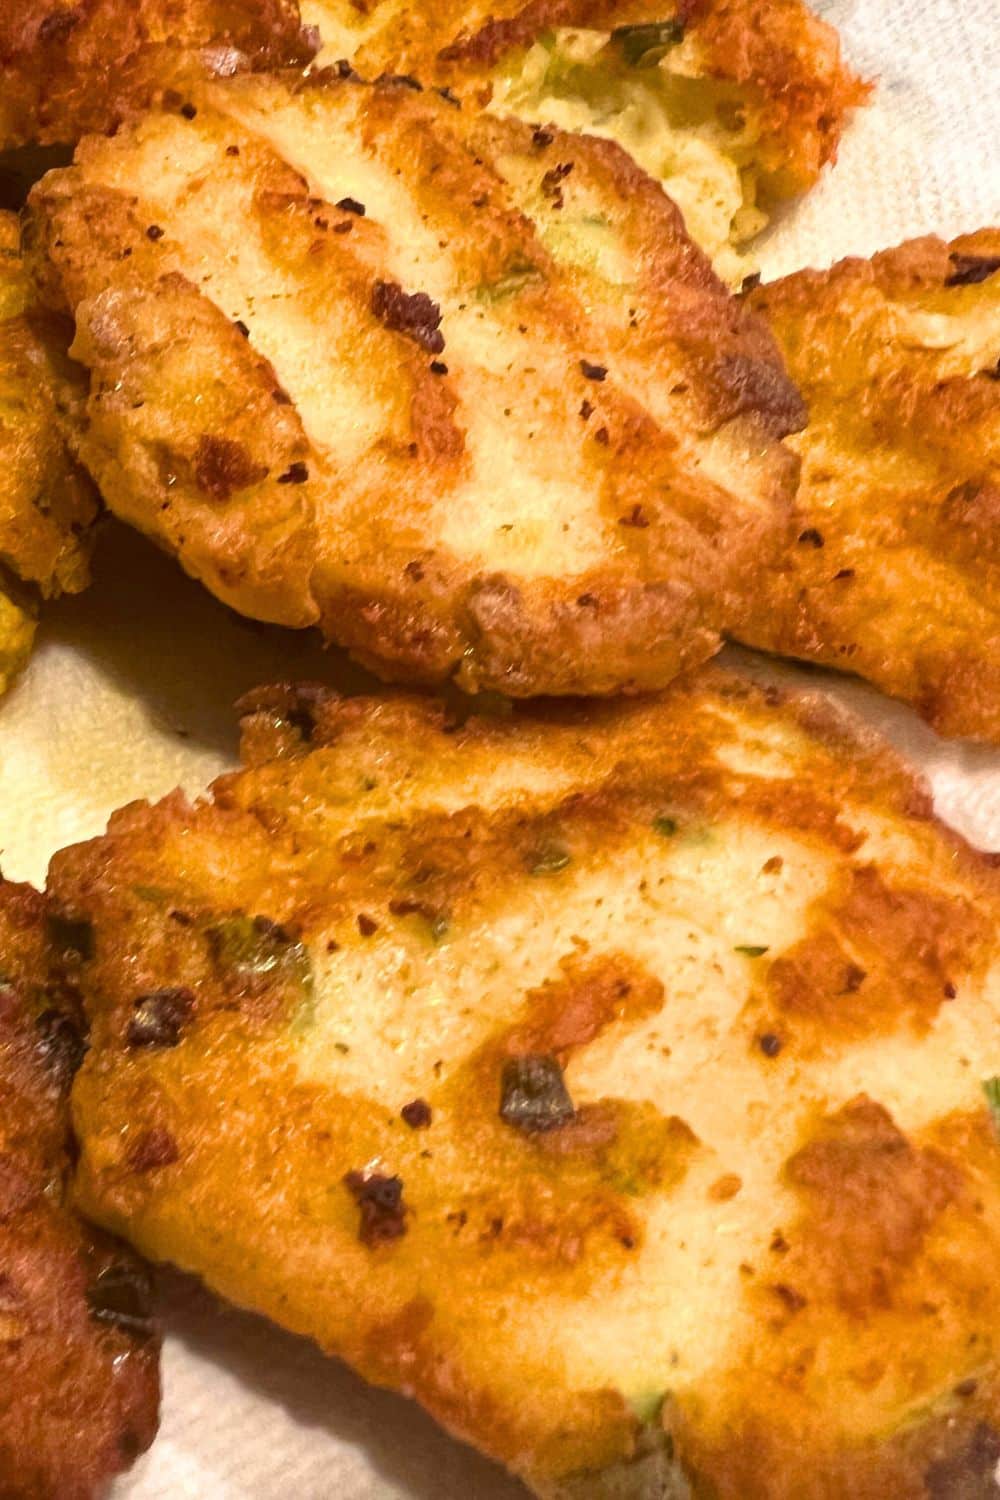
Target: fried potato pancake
[(733, 104), (47, 503), (611, 1080), (79, 1385), (462, 393), (71, 66), (895, 574)]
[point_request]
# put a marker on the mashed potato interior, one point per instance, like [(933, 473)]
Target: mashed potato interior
[(696, 136)]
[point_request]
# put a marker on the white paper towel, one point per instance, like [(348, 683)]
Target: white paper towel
[(129, 695)]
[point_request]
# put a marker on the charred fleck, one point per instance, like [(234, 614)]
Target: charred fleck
[(61, 1042), (416, 1114), (154, 232), (593, 372), (296, 473), (970, 270), (352, 206), (533, 1094), (553, 180), (122, 1298), (636, 518), (72, 936), (380, 1199), (412, 314), (159, 1019), (770, 1044), (58, 25), (811, 537)]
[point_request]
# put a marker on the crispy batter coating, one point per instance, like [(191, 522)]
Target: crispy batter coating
[(733, 103), (70, 66), (79, 1387), (609, 1080), (47, 503), (895, 574), (464, 394)]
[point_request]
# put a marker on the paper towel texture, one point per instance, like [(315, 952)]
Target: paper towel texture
[(129, 695)]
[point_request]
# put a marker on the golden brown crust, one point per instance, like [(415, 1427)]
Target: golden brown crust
[(47, 503), (79, 1385), (785, 62), (896, 572), (459, 448), (72, 66), (480, 1018)]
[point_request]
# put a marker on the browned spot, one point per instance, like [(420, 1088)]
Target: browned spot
[(223, 466), (872, 1196), (881, 955), (725, 1188), (153, 1148), (567, 1013), (432, 420), (18, 1187)]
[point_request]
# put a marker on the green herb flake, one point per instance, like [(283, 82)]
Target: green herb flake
[(549, 861), (518, 274), (646, 1406), (752, 950), (252, 950), (155, 894), (667, 827), (991, 1088), (644, 46)]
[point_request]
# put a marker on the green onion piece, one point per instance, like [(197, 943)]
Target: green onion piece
[(991, 1088), (666, 826), (752, 950), (533, 1094), (549, 861), (643, 46)]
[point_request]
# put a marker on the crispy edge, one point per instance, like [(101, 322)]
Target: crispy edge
[(957, 692), (79, 1392), (70, 69)]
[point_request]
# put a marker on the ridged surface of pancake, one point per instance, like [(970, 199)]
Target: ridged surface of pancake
[(462, 393), (79, 1389), (47, 503), (733, 104), (68, 68), (896, 571), (610, 1081)]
